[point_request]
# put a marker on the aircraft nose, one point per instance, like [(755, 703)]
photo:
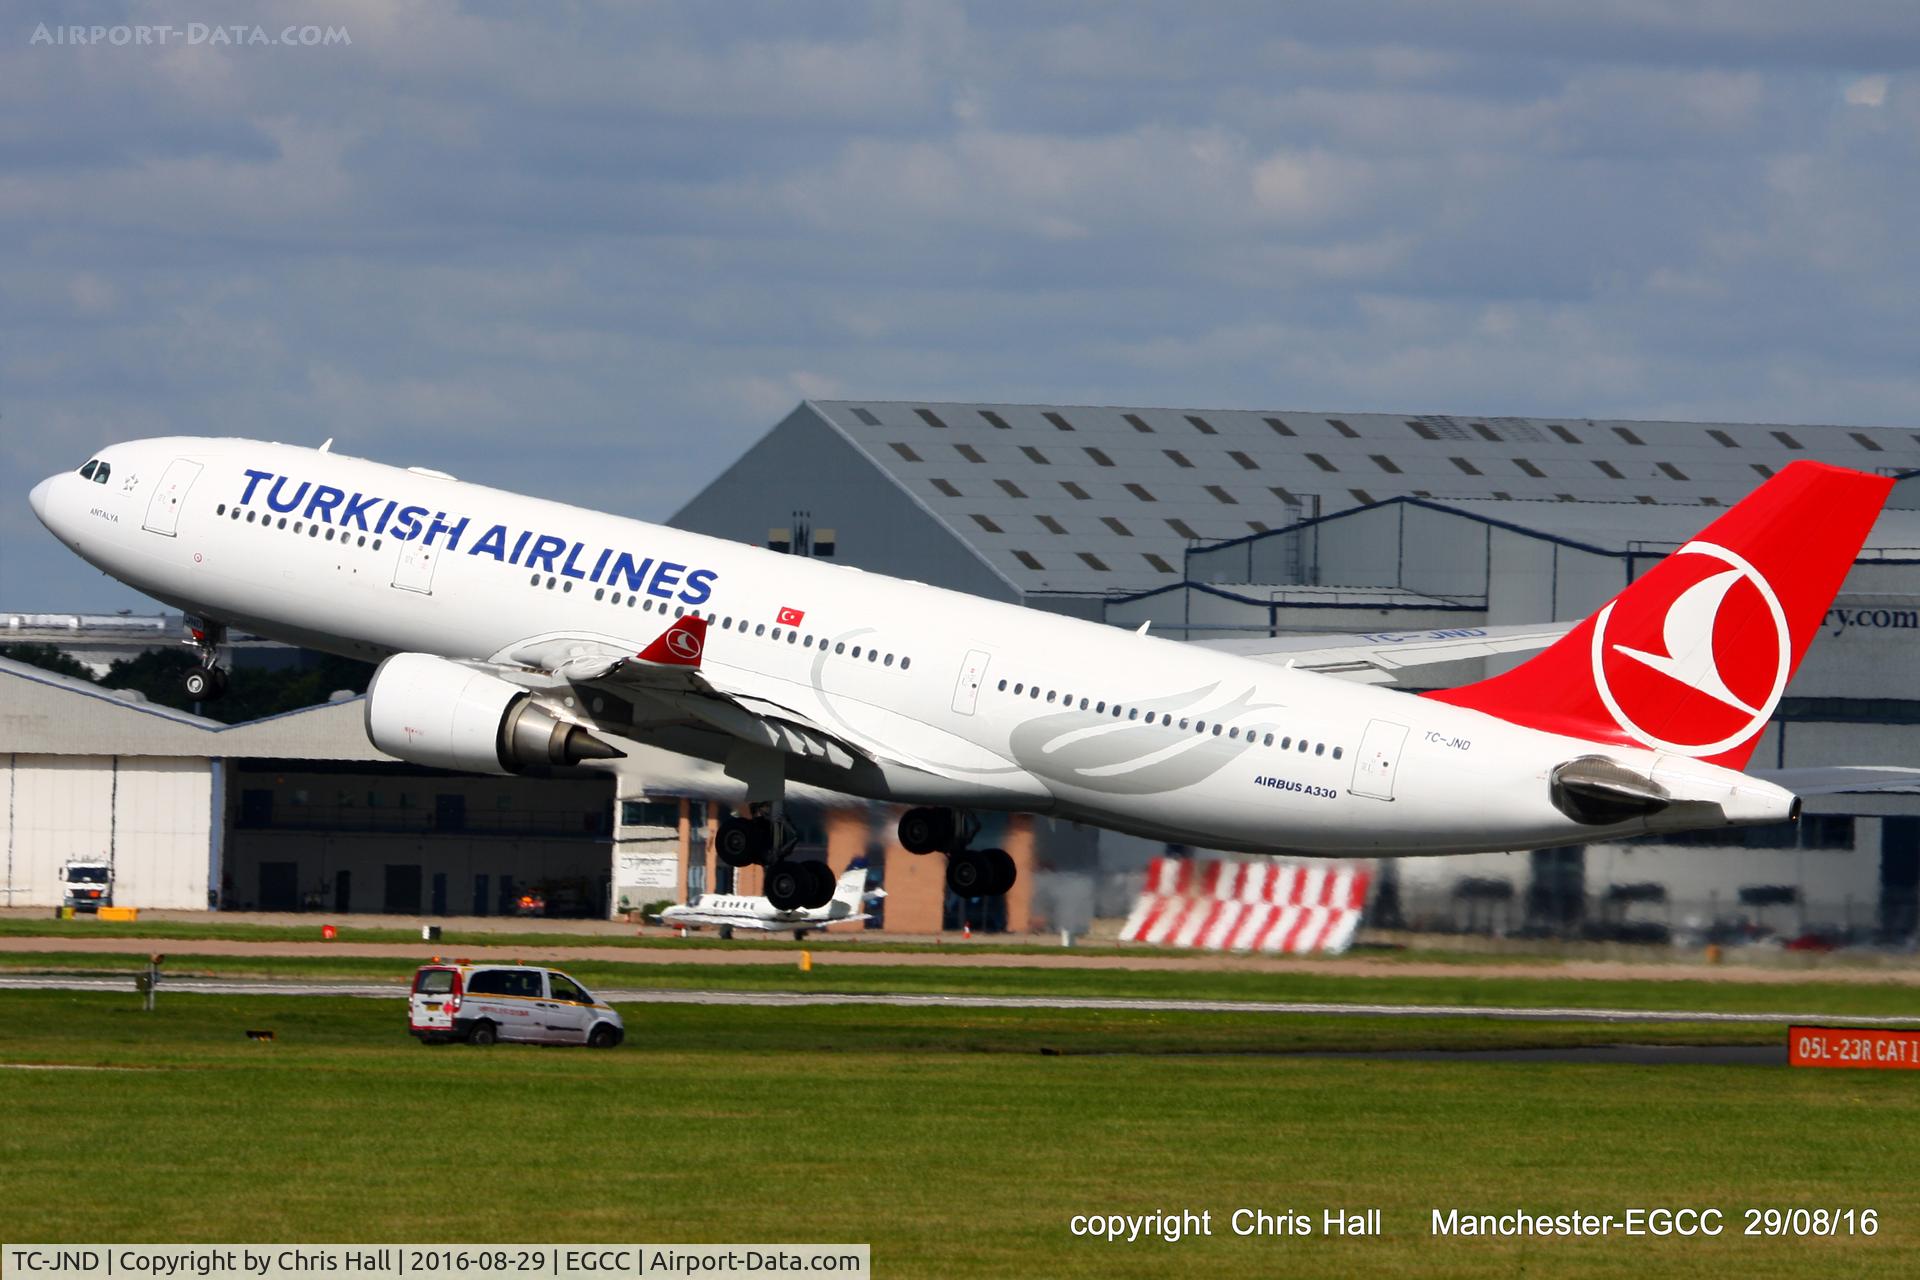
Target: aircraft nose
[(39, 498)]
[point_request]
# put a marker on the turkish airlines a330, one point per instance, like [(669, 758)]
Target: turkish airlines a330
[(516, 633)]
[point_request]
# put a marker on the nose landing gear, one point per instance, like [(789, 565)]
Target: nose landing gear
[(971, 873), (206, 682)]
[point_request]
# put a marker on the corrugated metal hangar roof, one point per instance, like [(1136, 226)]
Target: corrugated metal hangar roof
[(49, 714), (1077, 498)]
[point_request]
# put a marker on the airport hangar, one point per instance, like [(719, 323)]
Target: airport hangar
[(1213, 524), (1205, 524)]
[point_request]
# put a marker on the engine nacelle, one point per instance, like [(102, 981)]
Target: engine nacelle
[(427, 710)]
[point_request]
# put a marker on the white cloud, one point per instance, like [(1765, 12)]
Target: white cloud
[(1867, 91), (508, 240)]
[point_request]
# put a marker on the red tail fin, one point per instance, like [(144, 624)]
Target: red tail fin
[(1693, 656)]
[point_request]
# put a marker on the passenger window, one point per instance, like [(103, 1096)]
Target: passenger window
[(1003, 686), (1049, 695), (905, 663), (490, 982), (840, 646), (564, 988), (760, 629), (1267, 741), (1336, 753), (1133, 713), (1319, 748)]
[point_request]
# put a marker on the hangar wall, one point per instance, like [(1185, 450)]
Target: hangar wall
[(151, 816)]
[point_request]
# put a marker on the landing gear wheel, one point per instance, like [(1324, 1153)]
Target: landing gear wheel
[(483, 1033), (820, 883), (1001, 872), (787, 885), (928, 830), (969, 874), (603, 1036), (204, 684), (744, 842)]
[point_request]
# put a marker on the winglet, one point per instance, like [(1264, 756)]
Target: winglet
[(680, 645)]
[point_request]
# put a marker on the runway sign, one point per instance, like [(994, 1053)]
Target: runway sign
[(1269, 905), (1868, 1047)]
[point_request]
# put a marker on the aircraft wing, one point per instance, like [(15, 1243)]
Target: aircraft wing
[(1379, 657), (669, 669)]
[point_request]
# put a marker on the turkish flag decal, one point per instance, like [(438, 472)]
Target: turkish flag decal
[(791, 617)]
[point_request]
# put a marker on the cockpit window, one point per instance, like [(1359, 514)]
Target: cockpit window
[(86, 472), (100, 476)]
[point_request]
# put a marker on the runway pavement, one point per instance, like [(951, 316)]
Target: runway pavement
[(395, 991)]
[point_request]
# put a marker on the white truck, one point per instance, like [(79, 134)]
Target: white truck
[(86, 884)]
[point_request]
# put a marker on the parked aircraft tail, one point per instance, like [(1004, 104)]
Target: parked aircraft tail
[(1693, 656)]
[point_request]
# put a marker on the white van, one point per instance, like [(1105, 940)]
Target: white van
[(482, 1003)]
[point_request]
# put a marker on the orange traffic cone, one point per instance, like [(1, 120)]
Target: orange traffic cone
[(966, 928)]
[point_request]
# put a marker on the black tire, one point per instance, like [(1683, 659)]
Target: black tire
[(483, 1033), (820, 885), (786, 885), (927, 830), (1001, 873), (603, 1036), (967, 874), (201, 684), (743, 842)]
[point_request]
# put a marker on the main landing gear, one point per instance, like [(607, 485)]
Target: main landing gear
[(760, 839), (971, 873), (206, 682)]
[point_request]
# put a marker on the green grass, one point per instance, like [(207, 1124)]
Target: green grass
[(946, 1138), (1861, 998)]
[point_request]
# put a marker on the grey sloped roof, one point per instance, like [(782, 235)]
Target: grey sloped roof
[(1094, 499), (50, 714)]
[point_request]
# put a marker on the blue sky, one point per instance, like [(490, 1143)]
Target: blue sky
[(594, 251)]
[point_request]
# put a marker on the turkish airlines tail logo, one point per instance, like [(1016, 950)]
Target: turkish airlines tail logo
[(1694, 656), (1688, 639)]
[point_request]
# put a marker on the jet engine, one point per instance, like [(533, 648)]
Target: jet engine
[(429, 711)]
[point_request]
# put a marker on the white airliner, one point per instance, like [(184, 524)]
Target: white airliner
[(727, 912), (515, 632)]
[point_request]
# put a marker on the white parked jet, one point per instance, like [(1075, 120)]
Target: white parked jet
[(727, 912), (515, 632)]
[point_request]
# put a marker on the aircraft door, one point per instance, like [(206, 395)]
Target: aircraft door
[(1378, 759), (966, 690), (414, 571), (163, 512)]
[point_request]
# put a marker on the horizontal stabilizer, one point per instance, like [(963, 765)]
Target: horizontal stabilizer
[(1840, 778)]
